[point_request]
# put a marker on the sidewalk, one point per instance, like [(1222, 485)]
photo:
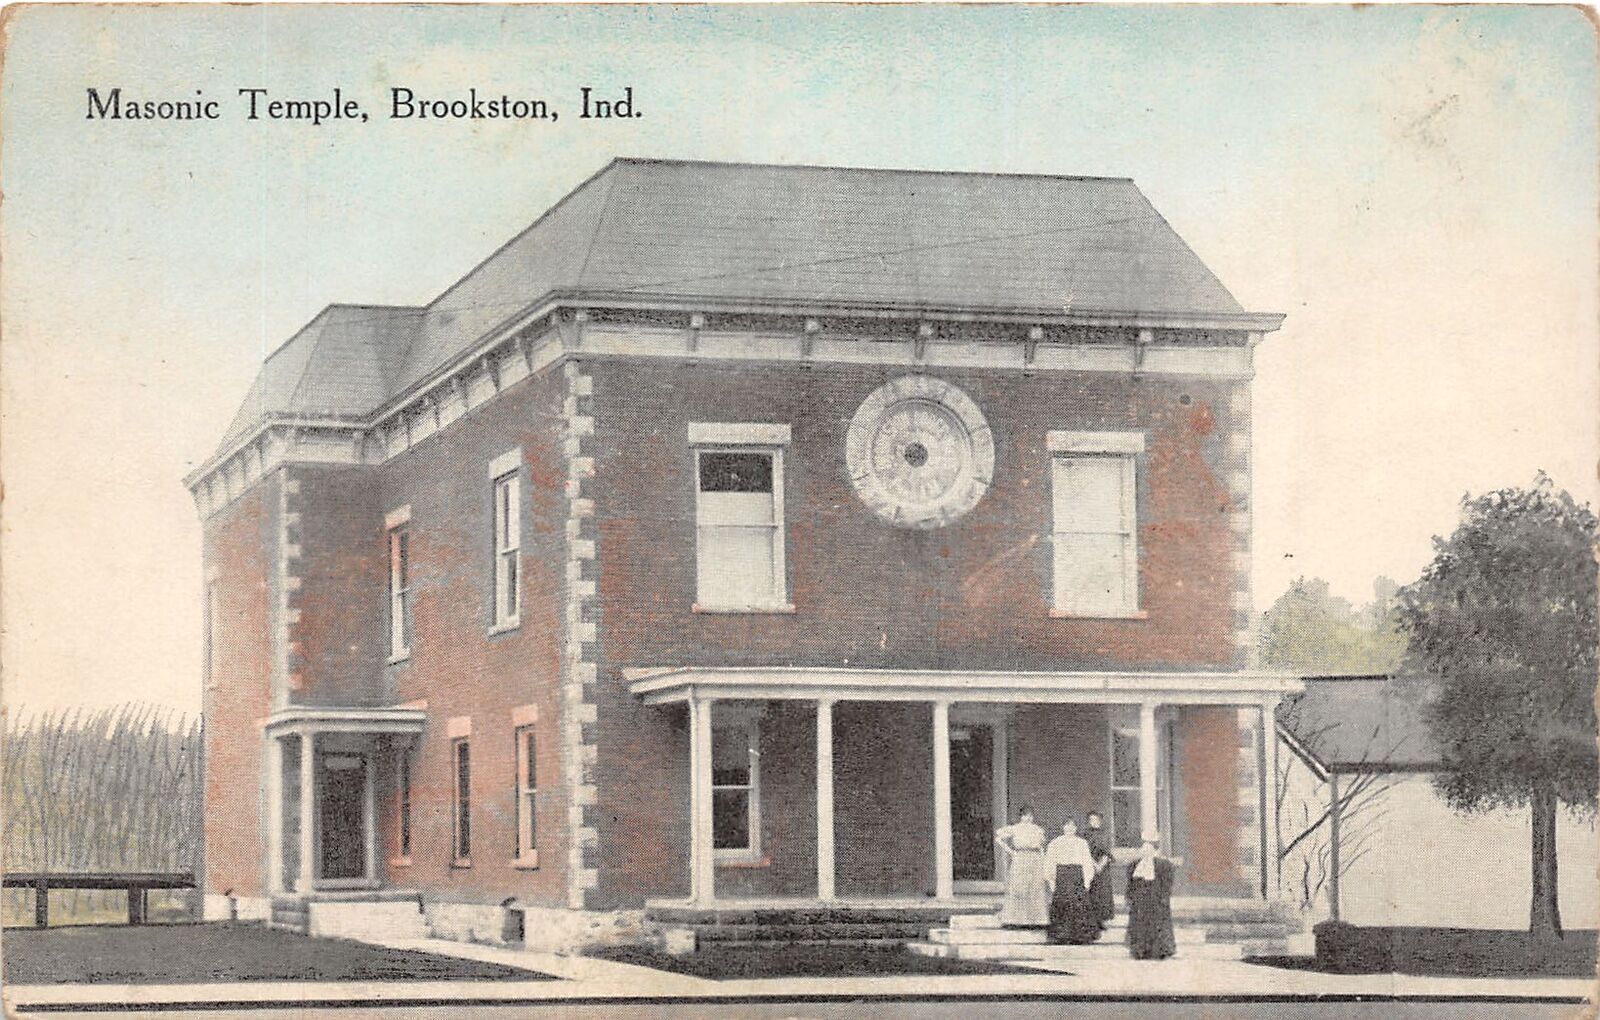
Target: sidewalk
[(583, 979)]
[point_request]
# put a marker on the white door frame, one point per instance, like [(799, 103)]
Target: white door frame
[(998, 719), (369, 816)]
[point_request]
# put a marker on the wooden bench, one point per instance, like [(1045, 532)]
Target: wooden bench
[(135, 883)]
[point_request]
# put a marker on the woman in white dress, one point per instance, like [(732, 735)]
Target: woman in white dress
[(1027, 902)]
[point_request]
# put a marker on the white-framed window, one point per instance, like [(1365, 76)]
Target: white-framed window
[(399, 541), (1127, 813), (507, 550), (527, 794), (1094, 527), (739, 541), (736, 787), (461, 802)]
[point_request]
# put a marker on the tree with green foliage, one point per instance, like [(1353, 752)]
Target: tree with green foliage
[(1501, 626), (1312, 631)]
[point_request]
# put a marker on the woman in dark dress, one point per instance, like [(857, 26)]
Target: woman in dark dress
[(1068, 865), (1150, 907), (1101, 896)]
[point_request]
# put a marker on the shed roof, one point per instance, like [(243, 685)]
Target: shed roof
[(669, 229), (1359, 723)]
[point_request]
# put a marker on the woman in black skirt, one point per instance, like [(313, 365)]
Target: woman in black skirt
[(1150, 906)]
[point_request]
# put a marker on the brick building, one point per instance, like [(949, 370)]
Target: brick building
[(744, 533)]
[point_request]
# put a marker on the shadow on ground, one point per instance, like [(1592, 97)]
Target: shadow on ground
[(225, 951)]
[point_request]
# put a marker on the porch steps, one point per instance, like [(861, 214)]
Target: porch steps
[(811, 924), (291, 913), (387, 913), (1201, 930)]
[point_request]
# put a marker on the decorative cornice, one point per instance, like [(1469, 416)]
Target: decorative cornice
[(685, 329)]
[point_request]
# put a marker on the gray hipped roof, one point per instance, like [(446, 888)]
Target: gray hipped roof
[(646, 229)]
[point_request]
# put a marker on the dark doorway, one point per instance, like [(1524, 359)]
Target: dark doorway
[(972, 802), (342, 815)]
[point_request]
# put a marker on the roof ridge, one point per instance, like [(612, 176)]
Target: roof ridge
[(525, 231), (599, 222), (865, 169), (305, 370)]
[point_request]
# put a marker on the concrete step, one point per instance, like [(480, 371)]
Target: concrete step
[(825, 931), (988, 936), (817, 914), (1038, 936), (1097, 951), (974, 921), (1234, 931)]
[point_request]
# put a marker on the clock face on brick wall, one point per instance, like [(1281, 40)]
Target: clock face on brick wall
[(919, 452)]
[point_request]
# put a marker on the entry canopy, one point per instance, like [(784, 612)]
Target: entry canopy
[(314, 719)]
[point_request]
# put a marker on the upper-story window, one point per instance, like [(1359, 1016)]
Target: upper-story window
[(739, 543), (1095, 522), (506, 476), (399, 543)]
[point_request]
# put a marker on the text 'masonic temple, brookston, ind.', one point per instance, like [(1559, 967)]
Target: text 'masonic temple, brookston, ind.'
[(736, 537)]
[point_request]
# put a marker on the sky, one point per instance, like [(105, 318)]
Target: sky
[(1414, 186)]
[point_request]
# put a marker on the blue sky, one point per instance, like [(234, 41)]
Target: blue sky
[(1414, 186)]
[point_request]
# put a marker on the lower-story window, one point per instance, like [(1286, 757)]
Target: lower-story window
[(1127, 813), (527, 796), (736, 789), (461, 755)]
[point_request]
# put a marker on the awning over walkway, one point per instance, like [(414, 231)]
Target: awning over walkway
[(694, 683)]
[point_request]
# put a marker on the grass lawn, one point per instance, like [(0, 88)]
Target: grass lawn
[(1444, 952), (225, 951), (738, 962)]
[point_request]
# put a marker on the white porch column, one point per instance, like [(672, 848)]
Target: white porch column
[(1148, 812), (308, 814), (1274, 831), (274, 787), (825, 799), (943, 867), (369, 817), (702, 870)]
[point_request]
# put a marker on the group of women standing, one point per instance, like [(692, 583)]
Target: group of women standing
[(1065, 886)]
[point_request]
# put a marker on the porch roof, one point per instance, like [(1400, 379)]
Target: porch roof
[(327, 719), (761, 683)]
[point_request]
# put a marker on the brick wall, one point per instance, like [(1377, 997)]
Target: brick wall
[(1208, 813), (239, 550), (974, 594), (1060, 764), (456, 665), (339, 638)]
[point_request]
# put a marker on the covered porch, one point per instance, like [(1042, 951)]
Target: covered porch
[(881, 789), (322, 768)]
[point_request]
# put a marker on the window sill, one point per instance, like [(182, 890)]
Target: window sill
[(527, 862), (744, 860), (400, 862), (461, 862), (504, 628), (776, 607), (398, 657), (1073, 614)]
